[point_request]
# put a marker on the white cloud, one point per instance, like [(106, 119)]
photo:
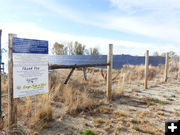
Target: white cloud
[(28, 30), (151, 18), (141, 27), (146, 5), (120, 47), (61, 10), (154, 18)]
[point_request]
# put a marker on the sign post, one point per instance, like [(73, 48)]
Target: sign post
[(27, 71), (12, 108)]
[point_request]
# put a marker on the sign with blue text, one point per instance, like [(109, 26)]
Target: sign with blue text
[(30, 67)]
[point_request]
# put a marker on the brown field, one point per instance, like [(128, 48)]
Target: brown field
[(81, 105)]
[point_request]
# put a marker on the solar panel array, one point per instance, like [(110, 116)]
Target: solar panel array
[(118, 60)]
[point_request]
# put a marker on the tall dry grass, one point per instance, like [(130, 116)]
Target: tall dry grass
[(173, 71), (40, 112), (133, 73), (137, 73), (77, 96), (76, 101), (120, 86), (4, 86)]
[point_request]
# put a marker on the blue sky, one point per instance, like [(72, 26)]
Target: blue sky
[(133, 26)]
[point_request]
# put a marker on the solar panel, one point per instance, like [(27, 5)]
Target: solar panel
[(118, 60)]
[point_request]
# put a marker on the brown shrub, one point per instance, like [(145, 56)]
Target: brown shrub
[(4, 86), (42, 114), (173, 69), (76, 100), (137, 73)]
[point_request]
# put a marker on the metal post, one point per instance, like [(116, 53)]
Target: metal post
[(85, 74), (67, 79)]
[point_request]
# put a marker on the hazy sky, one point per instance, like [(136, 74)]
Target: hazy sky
[(133, 26)]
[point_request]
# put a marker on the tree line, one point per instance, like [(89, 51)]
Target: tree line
[(172, 55), (73, 48), (76, 48)]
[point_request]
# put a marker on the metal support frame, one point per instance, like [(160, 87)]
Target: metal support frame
[(85, 74), (51, 67), (67, 79), (55, 66), (70, 74)]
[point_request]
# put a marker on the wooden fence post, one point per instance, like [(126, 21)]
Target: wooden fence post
[(166, 68), (12, 108), (109, 72), (146, 69)]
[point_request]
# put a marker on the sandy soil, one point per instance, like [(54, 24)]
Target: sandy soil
[(127, 113), (131, 112)]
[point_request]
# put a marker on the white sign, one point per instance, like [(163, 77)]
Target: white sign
[(30, 67)]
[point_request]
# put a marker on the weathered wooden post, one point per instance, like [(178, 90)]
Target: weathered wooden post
[(109, 72), (166, 68), (146, 69), (12, 108)]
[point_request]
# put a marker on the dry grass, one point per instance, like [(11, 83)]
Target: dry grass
[(43, 113), (1, 124), (137, 73), (80, 97), (28, 105), (143, 113), (75, 95), (4, 86), (76, 101), (104, 110), (36, 113), (121, 89), (121, 114), (115, 75), (147, 128), (117, 129), (160, 113), (99, 122)]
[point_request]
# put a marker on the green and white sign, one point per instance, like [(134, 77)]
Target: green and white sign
[(30, 67)]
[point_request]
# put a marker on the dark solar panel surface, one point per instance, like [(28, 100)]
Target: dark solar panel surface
[(118, 60)]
